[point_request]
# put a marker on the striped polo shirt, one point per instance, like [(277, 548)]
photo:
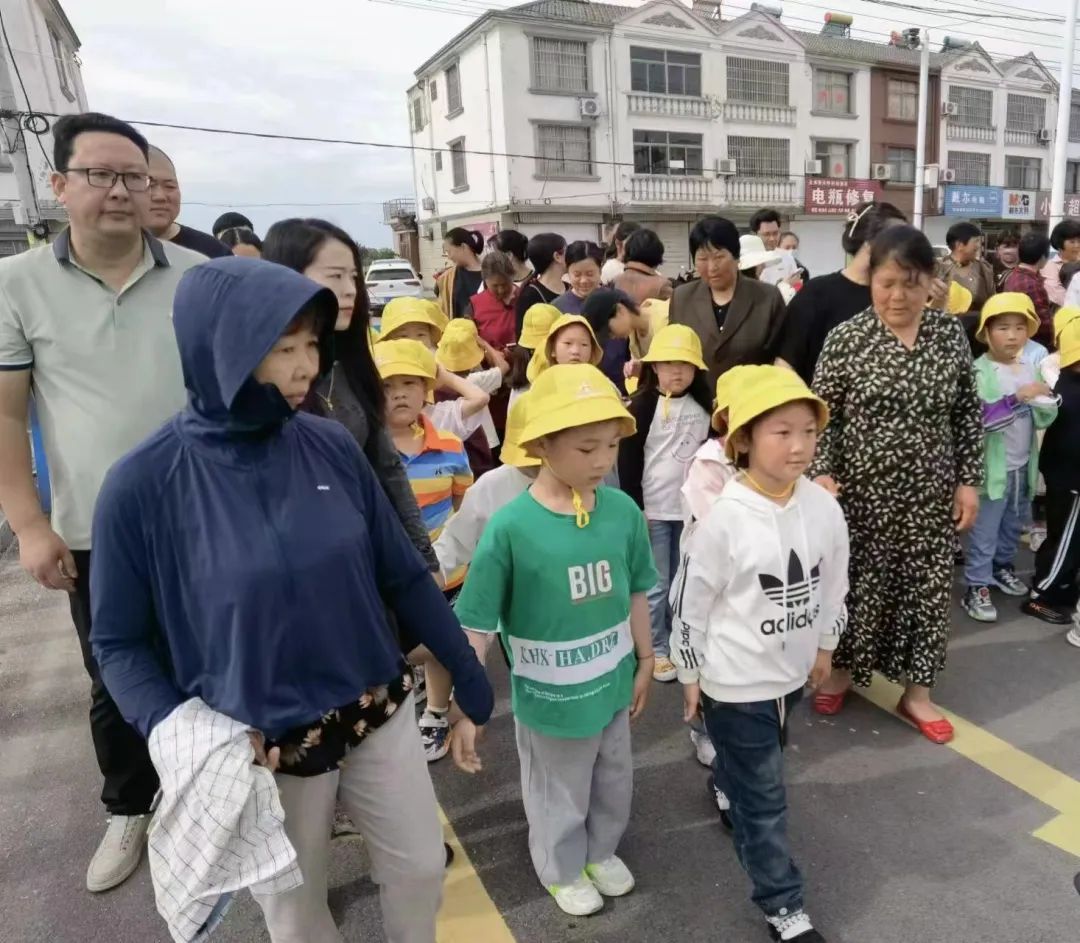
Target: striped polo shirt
[(438, 474)]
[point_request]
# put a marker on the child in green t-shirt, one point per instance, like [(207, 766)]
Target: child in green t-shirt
[(561, 573)]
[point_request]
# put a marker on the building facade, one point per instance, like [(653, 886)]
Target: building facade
[(565, 115)]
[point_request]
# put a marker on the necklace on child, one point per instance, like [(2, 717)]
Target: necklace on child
[(783, 493)]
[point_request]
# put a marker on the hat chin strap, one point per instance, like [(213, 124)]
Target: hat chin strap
[(581, 514)]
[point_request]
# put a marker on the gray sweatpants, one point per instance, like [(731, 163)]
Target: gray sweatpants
[(577, 796), (385, 787)]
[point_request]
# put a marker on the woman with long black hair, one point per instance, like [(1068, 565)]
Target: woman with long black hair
[(352, 393)]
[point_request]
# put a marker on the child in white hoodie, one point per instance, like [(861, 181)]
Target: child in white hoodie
[(757, 606)]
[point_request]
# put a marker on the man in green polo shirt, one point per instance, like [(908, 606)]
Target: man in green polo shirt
[(85, 323)]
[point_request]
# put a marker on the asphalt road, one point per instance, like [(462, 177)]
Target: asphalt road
[(900, 840)]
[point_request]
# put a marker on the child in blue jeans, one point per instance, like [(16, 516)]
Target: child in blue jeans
[(1016, 403)]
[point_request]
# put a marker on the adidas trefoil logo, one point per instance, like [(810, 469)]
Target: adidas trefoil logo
[(795, 595)]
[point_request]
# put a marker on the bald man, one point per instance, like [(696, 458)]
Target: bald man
[(165, 207)]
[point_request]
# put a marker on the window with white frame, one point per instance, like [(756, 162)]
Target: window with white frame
[(664, 71), (1074, 121), (902, 99), (972, 169), (457, 164), (668, 153), (902, 162), (417, 111), (832, 91), (560, 65), (974, 106), (1023, 173), (564, 150), (1072, 176), (757, 81), (835, 157), (759, 157), (453, 90), (61, 57), (1025, 113)]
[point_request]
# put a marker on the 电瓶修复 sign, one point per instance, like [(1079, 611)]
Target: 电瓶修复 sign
[(975, 202), (838, 196)]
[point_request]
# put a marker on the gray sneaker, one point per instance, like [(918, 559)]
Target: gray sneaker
[(119, 853), (977, 604), (1009, 583)]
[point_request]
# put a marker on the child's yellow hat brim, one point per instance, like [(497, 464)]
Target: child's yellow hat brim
[(766, 389), (565, 321), (677, 343), (516, 420), (1069, 343), (959, 299), (536, 324), (404, 358), (1008, 302), (1064, 316), (570, 395), (401, 311), (726, 384)]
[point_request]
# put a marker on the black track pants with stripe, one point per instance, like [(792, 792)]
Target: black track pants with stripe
[(1058, 559)]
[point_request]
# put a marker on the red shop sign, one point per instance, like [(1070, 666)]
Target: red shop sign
[(838, 196)]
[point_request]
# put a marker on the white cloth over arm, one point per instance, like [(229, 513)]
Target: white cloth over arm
[(219, 827)]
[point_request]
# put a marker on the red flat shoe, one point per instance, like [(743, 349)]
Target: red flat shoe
[(829, 704), (936, 731)]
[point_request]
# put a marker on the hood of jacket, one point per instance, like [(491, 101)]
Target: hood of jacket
[(227, 315)]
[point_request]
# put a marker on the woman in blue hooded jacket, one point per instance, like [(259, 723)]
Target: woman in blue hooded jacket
[(242, 555)]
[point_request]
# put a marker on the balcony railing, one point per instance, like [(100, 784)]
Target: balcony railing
[(656, 188), (964, 132), (1030, 138), (396, 209), (761, 191), (675, 106), (759, 114)]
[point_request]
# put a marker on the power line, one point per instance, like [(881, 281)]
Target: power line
[(26, 95)]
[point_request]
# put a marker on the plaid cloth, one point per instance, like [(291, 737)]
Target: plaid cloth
[(219, 826)]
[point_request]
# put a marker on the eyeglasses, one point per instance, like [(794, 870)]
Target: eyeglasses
[(105, 179)]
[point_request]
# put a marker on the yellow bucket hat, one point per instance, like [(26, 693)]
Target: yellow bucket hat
[(565, 321), (1008, 302), (959, 299), (766, 389), (536, 324), (459, 349), (726, 384), (676, 342), (1069, 343), (1064, 316), (403, 358), (401, 311), (516, 419)]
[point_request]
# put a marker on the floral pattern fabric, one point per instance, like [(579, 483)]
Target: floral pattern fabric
[(320, 747), (905, 431)]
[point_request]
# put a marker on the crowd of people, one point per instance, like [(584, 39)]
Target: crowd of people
[(282, 531)]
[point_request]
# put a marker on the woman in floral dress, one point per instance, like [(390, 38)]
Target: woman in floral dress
[(903, 453)]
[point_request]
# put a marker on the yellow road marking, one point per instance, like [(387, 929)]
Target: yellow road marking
[(1038, 779), (468, 914)]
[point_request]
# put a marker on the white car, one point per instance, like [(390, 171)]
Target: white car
[(387, 279)]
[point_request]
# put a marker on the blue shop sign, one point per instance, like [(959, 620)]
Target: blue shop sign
[(977, 202)]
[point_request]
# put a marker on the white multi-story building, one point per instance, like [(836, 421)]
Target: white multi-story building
[(658, 113)]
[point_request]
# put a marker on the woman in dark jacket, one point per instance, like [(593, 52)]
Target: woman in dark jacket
[(352, 393), (243, 555), (738, 319)]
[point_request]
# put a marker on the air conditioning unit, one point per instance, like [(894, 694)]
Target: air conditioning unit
[(946, 175), (881, 171), (590, 107), (726, 167), (1044, 136), (948, 109), (427, 204), (812, 168)]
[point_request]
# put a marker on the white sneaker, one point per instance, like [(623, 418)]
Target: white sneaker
[(578, 899), (611, 878), (1073, 636), (119, 853), (706, 752), (796, 926), (664, 669), (343, 826)]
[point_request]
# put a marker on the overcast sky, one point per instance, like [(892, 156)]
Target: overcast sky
[(339, 68)]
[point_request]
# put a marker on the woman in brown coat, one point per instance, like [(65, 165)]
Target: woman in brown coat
[(738, 319)]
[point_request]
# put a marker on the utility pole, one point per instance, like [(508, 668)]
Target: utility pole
[(1061, 135), (923, 43)]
